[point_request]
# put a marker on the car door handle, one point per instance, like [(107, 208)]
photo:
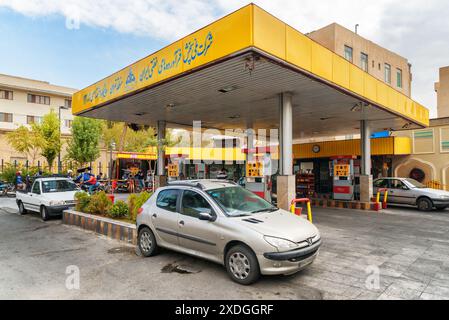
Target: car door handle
[(181, 223), (154, 216)]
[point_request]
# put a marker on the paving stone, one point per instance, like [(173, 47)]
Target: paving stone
[(438, 290)]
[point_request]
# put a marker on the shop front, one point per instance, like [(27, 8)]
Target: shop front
[(332, 169)]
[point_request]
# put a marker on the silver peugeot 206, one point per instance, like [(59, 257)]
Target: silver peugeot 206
[(223, 222)]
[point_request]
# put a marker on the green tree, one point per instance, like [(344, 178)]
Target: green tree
[(84, 144), (27, 141), (50, 131)]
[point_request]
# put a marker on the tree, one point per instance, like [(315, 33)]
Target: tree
[(84, 145), (26, 141), (50, 131)]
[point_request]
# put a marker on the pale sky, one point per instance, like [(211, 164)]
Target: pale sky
[(115, 33)]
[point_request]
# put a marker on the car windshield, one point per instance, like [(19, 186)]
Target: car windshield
[(237, 202), (53, 186), (415, 184)]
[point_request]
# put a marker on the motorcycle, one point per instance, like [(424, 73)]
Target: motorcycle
[(85, 187)]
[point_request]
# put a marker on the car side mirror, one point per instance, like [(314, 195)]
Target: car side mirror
[(207, 216)]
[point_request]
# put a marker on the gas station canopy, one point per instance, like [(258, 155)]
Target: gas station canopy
[(229, 75)]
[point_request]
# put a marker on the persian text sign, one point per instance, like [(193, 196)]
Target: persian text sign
[(216, 41), (160, 66)]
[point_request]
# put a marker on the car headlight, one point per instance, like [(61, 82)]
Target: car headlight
[(281, 244), (56, 202), (444, 197)]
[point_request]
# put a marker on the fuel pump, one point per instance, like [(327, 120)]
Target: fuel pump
[(258, 173), (343, 172)]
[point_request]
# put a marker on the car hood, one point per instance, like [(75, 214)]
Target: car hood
[(434, 192), (281, 224), (58, 196)]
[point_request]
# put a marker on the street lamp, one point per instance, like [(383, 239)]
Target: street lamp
[(59, 153)]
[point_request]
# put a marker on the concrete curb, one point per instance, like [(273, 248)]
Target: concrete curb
[(353, 205), (110, 228)]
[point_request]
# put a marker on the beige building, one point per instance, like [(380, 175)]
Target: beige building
[(429, 161), (26, 101), (381, 63), (442, 90)]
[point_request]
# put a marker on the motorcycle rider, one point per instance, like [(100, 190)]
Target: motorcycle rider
[(88, 179)]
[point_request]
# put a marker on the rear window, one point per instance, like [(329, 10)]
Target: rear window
[(167, 200), (53, 186)]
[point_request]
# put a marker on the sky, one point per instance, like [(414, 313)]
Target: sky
[(78, 42)]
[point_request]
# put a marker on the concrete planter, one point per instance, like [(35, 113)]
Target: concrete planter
[(113, 229)]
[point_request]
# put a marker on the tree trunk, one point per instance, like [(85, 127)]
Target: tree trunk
[(122, 138)]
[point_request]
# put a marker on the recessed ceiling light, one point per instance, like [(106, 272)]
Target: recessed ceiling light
[(237, 116), (170, 106), (139, 114), (228, 89)]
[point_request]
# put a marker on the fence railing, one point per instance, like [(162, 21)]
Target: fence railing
[(436, 185), (97, 167)]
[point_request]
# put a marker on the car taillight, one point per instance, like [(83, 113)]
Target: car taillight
[(140, 211)]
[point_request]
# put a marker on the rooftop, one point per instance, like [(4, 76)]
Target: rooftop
[(19, 83)]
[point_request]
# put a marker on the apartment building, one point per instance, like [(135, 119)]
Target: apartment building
[(26, 101), (442, 90), (381, 63)]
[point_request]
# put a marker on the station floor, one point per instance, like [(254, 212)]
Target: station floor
[(397, 254)]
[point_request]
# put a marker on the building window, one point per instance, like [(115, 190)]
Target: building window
[(34, 119), (5, 117), (6, 95), (364, 61), (387, 73), (399, 77), (423, 141), (68, 123), (444, 137), (348, 53), (33, 98), (68, 103)]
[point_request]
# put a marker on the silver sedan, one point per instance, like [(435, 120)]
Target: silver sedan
[(410, 192), (223, 222)]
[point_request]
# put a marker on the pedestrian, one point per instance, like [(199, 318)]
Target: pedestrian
[(19, 181)]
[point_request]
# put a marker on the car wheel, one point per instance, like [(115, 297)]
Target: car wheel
[(44, 213), (425, 204), (147, 242), (441, 208), (22, 209), (242, 265)]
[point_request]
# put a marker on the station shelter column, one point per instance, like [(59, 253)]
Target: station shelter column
[(286, 184), (161, 177), (366, 178)]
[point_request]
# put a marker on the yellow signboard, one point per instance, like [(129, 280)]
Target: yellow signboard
[(173, 170), (249, 27), (342, 170), (224, 37), (254, 169)]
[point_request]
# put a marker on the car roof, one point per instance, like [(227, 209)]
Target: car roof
[(51, 178), (204, 184)]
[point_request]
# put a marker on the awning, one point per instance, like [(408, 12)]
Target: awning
[(229, 75)]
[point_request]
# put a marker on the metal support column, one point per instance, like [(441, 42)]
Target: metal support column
[(286, 134), (161, 174), (366, 179), (286, 184)]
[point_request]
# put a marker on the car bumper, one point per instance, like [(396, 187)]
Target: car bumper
[(440, 202), (57, 210), (290, 262)]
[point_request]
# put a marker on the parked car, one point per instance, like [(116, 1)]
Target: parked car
[(222, 222), (48, 196), (410, 192)]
